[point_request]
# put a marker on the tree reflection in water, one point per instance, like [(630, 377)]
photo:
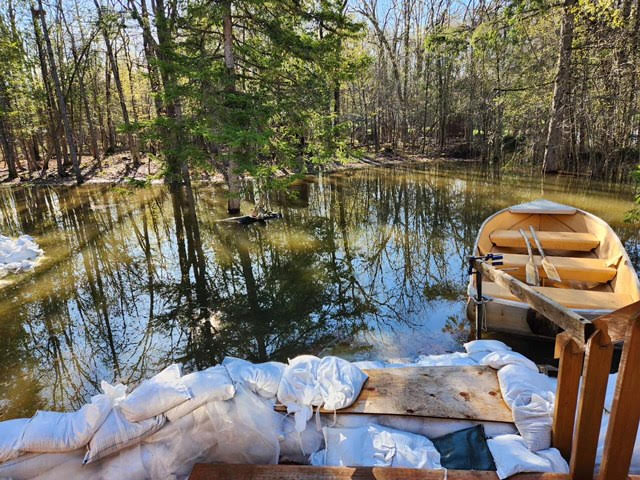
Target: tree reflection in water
[(363, 264)]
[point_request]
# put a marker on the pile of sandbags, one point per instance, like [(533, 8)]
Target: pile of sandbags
[(18, 255), (226, 414)]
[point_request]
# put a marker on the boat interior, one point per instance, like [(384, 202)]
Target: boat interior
[(595, 271)]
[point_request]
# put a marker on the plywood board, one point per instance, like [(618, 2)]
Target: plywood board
[(468, 393)]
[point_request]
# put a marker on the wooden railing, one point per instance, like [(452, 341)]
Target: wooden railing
[(585, 349)]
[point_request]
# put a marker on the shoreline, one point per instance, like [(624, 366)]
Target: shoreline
[(111, 178)]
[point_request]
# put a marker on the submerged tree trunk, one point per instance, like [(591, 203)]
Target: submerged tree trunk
[(554, 148)]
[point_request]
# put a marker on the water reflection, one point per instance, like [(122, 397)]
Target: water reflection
[(367, 263)]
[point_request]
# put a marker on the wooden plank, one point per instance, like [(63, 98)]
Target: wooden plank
[(303, 472), (571, 358), (468, 392), (625, 414), (569, 268), (597, 365), (567, 297), (579, 328), (569, 241), (619, 321)]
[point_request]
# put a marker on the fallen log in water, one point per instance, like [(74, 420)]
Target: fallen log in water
[(249, 219)]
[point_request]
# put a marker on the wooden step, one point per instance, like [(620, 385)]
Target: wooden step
[(303, 472), (577, 299), (459, 392), (580, 242), (569, 268)]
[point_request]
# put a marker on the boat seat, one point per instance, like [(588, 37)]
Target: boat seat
[(569, 268), (575, 241), (577, 299)]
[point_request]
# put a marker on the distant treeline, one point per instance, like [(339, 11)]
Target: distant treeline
[(255, 86)]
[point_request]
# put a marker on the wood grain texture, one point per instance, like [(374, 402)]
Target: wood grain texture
[(597, 365), (625, 414), (618, 321), (299, 472), (570, 268), (570, 368), (570, 241), (579, 328), (469, 393), (567, 297)]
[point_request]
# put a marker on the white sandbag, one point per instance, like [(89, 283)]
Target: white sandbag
[(155, 395), (128, 463), (10, 435), (485, 346), (172, 451), (18, 255), (260, 378), (255, 429), (64, 432), (376, 446), (299, 390), (339, 382), (445, 360), (533, 417), (516, 380), (511, 456), (296, 447), (26, 467), (501, 358), (369, 364), (117, 433), (205, 386)]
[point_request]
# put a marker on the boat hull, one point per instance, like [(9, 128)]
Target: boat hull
[(507, 315)]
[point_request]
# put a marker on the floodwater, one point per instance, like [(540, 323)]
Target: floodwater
[(364, 264)]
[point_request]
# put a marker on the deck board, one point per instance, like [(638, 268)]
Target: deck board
[(461, 392), (300, 472)]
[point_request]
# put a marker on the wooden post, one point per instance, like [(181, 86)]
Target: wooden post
[(571, 358), (625, 414), (599, 351)]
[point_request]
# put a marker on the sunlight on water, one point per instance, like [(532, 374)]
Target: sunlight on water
[(364, 264)]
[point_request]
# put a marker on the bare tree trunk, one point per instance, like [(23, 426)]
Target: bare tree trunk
[(6, 139), (111, 131), (554, 148), (133, 147), (52, 108), (61, 101), (233, 181)]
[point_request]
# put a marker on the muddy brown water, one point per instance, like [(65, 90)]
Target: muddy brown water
[(365, 264)]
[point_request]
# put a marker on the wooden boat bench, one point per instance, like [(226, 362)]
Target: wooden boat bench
[(570, 298), (459, 392), (570, 268), (569, 241)]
